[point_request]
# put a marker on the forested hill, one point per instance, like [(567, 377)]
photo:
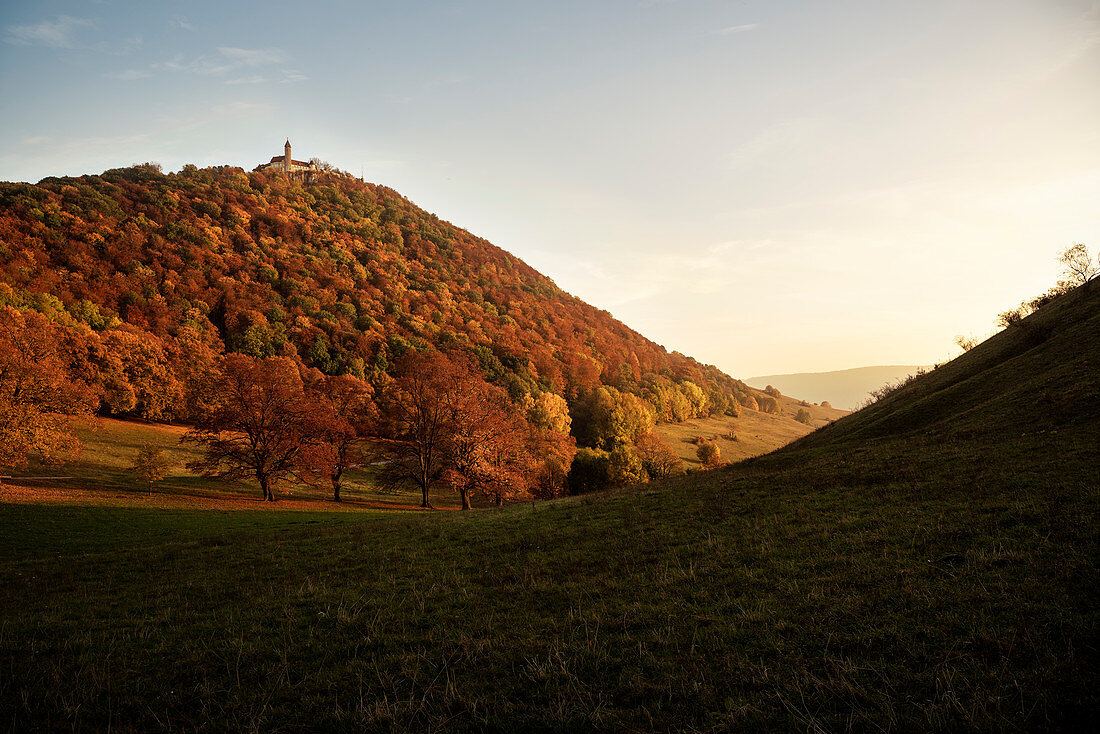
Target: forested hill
[(152, 275)]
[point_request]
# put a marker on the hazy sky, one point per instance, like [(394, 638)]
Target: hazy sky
[(768, 186)]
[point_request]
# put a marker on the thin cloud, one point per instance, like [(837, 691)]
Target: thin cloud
[(252, 56), (199, 65), (178, 21), (254, 79), (55, 34), (731, 30), (289, 77), (776, 138), (227, 60), (129, 74)]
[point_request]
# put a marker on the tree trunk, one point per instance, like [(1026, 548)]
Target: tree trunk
[(425, 483), (265, 485), (465, 494), (336, 485), (425, 502)]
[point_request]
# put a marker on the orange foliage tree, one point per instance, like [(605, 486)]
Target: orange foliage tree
[(166, 272), (709, 454), (343, 413), (658, 459), (441, 421), (36, 393), (262, 426), (486, 444), (414, 421)]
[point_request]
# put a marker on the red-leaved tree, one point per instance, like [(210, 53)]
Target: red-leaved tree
[(486, 446), (415, 418), (261, 426), (439, 420), (342, 414)]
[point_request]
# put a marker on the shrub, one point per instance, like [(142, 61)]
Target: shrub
[(804, 416), (709, 455), (769, 404), (891, 387), (1010, 318), (966, 343)]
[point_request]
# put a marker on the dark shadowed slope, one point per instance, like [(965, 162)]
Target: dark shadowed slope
[(928, 563)]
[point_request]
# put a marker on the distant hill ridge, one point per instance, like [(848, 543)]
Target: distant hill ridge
[(845, 389)]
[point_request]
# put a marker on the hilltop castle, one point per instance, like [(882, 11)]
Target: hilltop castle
[(286, 164)]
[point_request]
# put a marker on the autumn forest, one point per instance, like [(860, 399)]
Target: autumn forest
[(302, 329)]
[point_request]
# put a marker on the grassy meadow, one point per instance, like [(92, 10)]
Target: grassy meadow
[(102, 475), (751, 434), (928, 563)]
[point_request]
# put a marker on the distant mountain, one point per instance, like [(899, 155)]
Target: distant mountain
[(844, 389)]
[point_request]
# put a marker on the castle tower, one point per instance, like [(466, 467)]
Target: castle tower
[(286, 156)]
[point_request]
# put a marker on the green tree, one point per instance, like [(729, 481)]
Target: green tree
[(549, 411), (697, 399)]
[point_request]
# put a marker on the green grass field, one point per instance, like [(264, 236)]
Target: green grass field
[(928, 563)]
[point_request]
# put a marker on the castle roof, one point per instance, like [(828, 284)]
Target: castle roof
[(281, 159)]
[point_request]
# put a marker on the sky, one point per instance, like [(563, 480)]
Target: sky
[(769, 186)]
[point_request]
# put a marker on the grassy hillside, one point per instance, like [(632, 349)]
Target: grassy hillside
[(750, 434), (927, 563)]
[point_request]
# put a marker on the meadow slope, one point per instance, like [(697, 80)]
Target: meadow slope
[(926, 563)]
